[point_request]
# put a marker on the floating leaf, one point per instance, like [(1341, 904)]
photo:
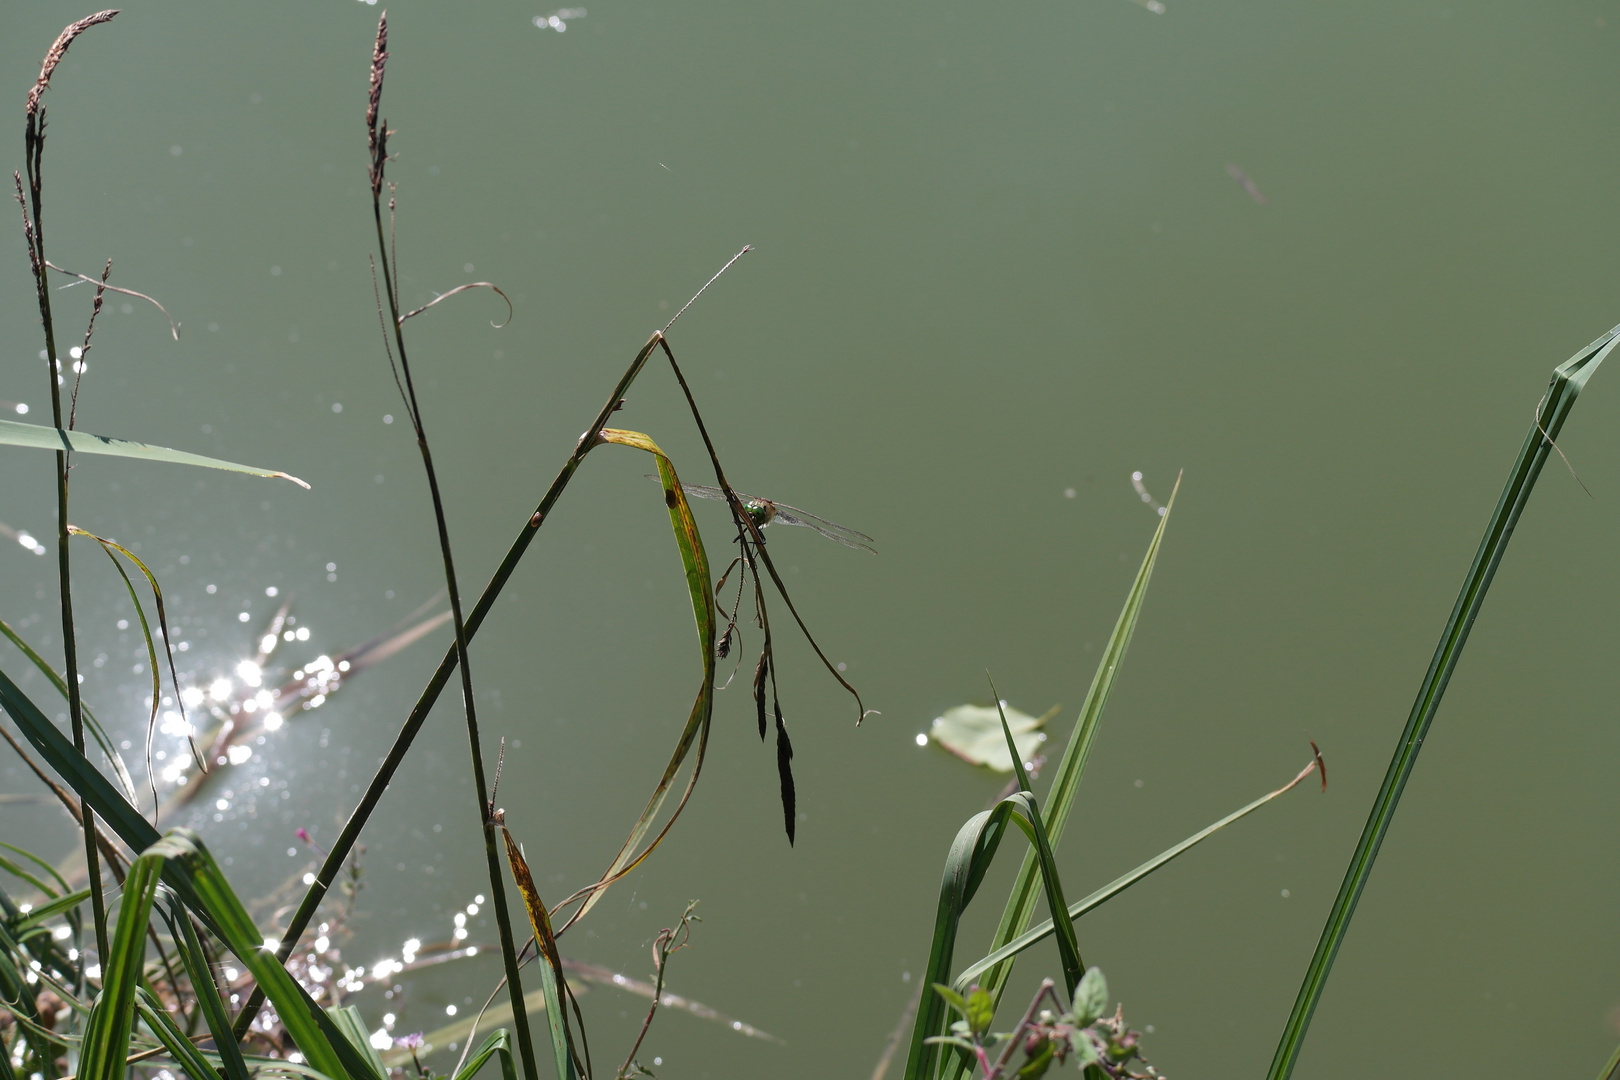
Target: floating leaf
[(973, 733)]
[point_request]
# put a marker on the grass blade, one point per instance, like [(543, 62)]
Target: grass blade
[(498, 1043), (1066, 781), (96, 731), (1120, 884), (1567, 381), (696, 564), (43, 437), (348, 1020), (972, 852), (181, 1049), (203, 988), (552, 982), (107, 1032), (73, 767)]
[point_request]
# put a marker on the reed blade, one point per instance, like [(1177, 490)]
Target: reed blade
[(1567, 382), (97, 732), (44, 437), (971, 855), (696, 565), (552, 982), (1119, 885), (111, 1022), (1066, 778)]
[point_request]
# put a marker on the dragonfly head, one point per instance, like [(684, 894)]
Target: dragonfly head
[(760, 511)]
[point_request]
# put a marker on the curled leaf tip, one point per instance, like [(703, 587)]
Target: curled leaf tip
[(289, 476), (1321, 763)]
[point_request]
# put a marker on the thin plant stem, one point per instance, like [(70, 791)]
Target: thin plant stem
[(441, 676), (34, 233), (377, 137)]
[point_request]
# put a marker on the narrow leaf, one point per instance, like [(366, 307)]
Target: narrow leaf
[(696, 564), (1066, 779), (552, 982), (1125, 881), (1567, 381), (43, 437)]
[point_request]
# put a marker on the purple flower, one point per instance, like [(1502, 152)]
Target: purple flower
[(412, 1042)]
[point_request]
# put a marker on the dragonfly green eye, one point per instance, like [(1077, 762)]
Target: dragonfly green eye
[(760, 512)]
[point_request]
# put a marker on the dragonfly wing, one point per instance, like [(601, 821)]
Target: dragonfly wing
[(844, 536), (821, 523)]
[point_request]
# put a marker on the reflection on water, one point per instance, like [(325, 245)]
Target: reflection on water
[(558, 21)]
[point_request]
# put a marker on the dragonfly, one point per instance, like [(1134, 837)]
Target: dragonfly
[(766, 512)]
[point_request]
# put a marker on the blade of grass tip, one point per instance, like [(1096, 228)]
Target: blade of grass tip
[(1120, 884), (43, 865), (1066, 778), (1567, 381), (1006, 729), (1611, 1071), (110, 546), (551, 973), (97, 732), (41, 437)]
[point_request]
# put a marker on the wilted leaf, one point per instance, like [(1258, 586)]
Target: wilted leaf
[(973, 733)]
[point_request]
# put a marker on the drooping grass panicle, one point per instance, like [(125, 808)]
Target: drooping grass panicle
[(53, 56)]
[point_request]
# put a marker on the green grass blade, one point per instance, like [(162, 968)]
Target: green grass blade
[(314, 1033), (75, 769), (353, 1026), (1119, 885), (499, 1044), (971, 854), (1611, 1071), (44, 437), (113, 550), (90, 721), (107, 1032), (1068, 947), (184, 1052), (1567, 381), (1066, 779), (203, 988), (60, 906)]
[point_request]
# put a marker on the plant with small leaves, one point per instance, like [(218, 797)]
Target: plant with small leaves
[(1101, 1046)]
